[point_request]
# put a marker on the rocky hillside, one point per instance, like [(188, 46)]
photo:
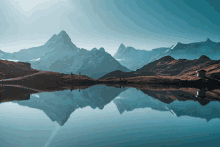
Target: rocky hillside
[(168, 66)]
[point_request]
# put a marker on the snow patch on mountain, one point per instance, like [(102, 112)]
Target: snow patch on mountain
[(12, 60), (35, 60), (120, 59), (174, 46)]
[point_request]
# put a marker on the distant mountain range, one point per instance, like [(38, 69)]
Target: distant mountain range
[(195, 50), (59, 54), (134, 59)]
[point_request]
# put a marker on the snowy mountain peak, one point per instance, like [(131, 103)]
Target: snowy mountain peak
[(54, 38), (62, 37), (102, 49), (178, 45), (122, 46), (65, 37), (63, 34), (208, 40), (94, 49), (121, 50)]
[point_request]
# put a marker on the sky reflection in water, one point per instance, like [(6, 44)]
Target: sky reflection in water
[(107, 116)]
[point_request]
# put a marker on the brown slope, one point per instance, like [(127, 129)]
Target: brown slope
[(50, 81), (212, 68), (9, 69), (166, 66)]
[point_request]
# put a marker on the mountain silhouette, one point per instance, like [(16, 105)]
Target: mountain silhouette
[(59, 54)]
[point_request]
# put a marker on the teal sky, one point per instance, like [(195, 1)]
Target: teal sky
[(143, 24)]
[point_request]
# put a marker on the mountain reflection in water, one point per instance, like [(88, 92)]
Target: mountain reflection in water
[(109, 116), (178, 102), (59, 105)]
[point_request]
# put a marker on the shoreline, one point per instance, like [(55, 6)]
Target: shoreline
[(47, 80)]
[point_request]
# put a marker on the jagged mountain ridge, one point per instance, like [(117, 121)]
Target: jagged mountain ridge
[(55, 43), (134, 59), (94, 63), (59, 54), (196, 49)]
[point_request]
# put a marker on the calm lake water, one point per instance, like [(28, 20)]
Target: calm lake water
[(102, 116)]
